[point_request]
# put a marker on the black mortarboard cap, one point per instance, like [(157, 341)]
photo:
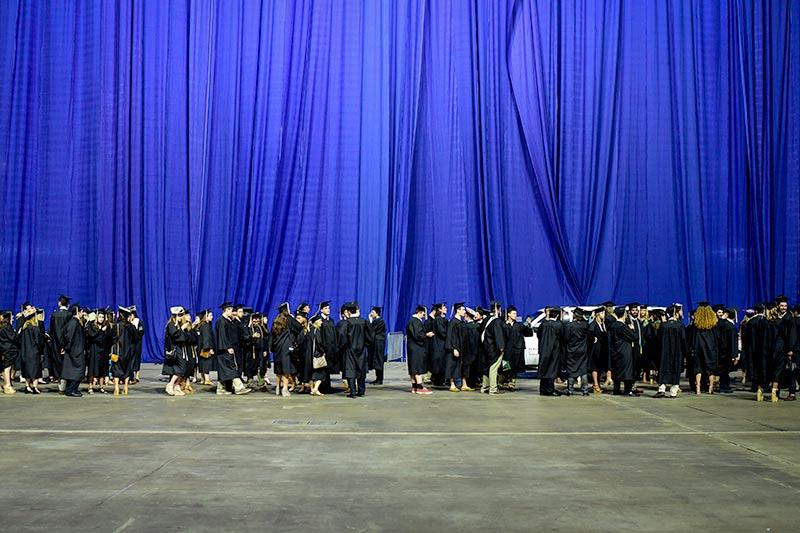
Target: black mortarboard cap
[(225, 305), (324, 303)]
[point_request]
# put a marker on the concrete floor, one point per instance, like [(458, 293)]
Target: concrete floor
[(394, 461)]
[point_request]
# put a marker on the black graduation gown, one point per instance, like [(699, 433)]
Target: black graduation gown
[(97, 350), (621, 342), (775, 351), (330, 345), (576, 348), (309, 343), (550, 334), (438, 355), (357, 335), (206, 342), (377, 352), (470, 361), (74, 363), (226, 338), (31, 348), (282, 344), (58, 322), (672, 342), (515, 346), (785, 341), (416, 347), (727, 344), (125, 335), (456, 339), (652, 350), (9, 346), (176, 341), (705, 351), (137, 336), (758, 341), (493, 341), (598, 347), (256, 349)]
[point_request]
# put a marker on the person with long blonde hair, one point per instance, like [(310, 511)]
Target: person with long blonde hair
[(31, 348), (705, 348)]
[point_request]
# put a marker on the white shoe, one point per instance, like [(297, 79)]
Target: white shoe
[(62, 385), (179, 392), (169, 389)]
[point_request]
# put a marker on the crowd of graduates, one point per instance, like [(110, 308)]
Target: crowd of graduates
[(98, 347), (582, 350)]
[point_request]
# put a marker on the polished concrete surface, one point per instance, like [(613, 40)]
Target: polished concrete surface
[(395, 461)]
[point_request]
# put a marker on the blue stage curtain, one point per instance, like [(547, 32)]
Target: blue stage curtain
[(398, 152)]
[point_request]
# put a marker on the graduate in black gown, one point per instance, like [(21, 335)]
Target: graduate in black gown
[(256, 351), (73, 367), (514, 355), (329, 340), (550, 333), (786, 343), (176, 355), (125, 335), (621, 346), (417, 350), (377, 352), (758, 340), (455, 346), (58, 321), (283, 341), (598, 348), (438, 362), (493, 340), (98, 333), (728, 346), (576, 352), (136, 364), (227, 337), (9, 349), (314, 353), (357, 336), (704, 346), (672, 343), (470, 361), (31, 348), (776, 358), (205, 346)]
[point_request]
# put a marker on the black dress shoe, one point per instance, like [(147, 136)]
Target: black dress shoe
[(659, 394), (77, 394), (360, 393), (631, 394)]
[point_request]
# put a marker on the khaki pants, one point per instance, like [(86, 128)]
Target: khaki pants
[(490, 381)]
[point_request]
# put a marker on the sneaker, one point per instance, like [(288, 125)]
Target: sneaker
[(413, 390), (169, 389), (424, 390), (222, 392), (245, 390)]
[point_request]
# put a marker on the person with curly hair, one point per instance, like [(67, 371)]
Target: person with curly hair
[(705, 346)]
